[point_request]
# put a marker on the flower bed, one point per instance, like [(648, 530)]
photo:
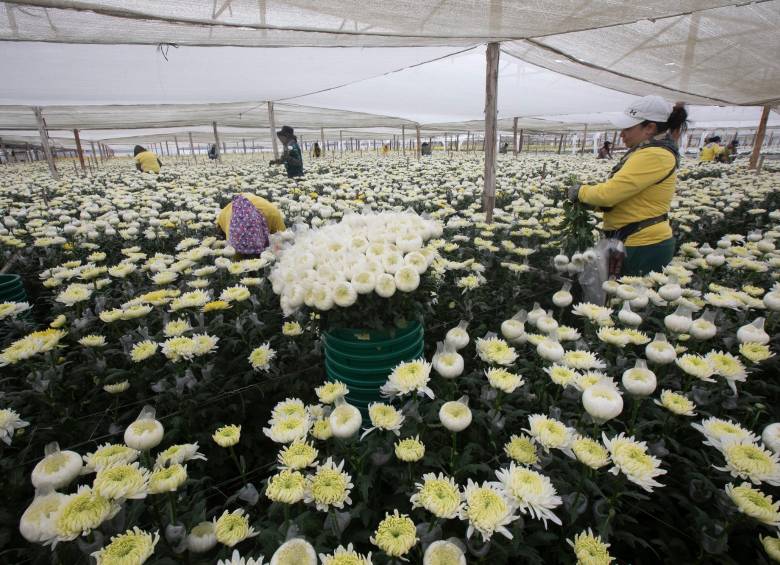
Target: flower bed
[(168, 400)]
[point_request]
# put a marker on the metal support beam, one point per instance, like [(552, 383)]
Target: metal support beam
[(514, 137), (419, 147), (192, 148)]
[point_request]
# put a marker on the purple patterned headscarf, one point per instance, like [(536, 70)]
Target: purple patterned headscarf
[(248, 230)]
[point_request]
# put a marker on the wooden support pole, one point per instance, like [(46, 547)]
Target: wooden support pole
[(167, 148), (520, 148), (491, 117), (584, 139), (341, 143), (45, 144), (322, 141), (272, 123), (94, 153), (419, 147), (176, 143), (514, 137), (243, 142), (79, 150), (560, 144), (403, 138), (759, 139), (216, 141), (192, 148)]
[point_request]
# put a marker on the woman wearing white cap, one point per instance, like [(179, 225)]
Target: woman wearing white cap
[(637, 195)]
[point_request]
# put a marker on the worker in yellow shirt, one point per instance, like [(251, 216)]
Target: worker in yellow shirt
[(146, 161), (711, 149), (637, 195), (248, 221)]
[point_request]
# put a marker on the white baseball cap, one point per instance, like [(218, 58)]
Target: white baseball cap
[(651, 108)]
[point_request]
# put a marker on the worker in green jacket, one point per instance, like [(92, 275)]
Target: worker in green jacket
[(637, 195), (291, 158)]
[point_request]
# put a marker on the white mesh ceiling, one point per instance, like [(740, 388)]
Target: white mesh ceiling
[(319, 22), (725, 56), (565, 63)]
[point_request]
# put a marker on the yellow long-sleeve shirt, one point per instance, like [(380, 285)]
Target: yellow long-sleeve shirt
[(709, 152), (636, 193), (273, 217), (148, 162)]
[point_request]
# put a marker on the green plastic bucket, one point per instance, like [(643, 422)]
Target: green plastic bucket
[(12, 289), (363, 360), (360, 342), (392, 356)]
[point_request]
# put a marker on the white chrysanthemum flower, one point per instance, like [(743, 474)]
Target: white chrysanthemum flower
[(496, 351), (751, 461), (531, 492), (37, 522), (202, 538), (455, 415), (439, 495), (549, 432), (329, 486), (384, 417), (179, 453), (407, 378), (345, 420), (487, 509), (9, 423), (631, 458)]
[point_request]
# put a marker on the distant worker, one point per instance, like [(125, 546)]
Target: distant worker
[(710, 150), (291, 156), (729, 153), (317, 150), (146, 161), (248, 221), (504, 148), (425, 148), (213, 152), (637, 195), (385, 149), (605, 151)]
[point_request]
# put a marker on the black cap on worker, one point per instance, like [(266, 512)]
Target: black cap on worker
[(286, 131)]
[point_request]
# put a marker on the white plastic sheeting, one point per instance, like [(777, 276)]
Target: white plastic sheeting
[(565, 63), (725, 56), (274, 23)]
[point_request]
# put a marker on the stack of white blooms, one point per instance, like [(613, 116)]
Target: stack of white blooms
[(362, 254)]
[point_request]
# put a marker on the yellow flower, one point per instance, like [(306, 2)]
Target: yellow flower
[(58, 322), (81, 513), (676, 403), (143, 350), (487, 510), (321, 429), (109, 454), (755, 504), (232, 528), (329, 486), (215, 305), (521, 449), (93, 340), (396, 534), (32, 344), (167, 479), (331, 392), (345, 556), (261, 357), (126, 481), (590, 452), (503, 380), (410, 449), (287, 487), (297, 455), (590, 550), (227, 436), (439, 495), (771, 546), (746, 460), (292, 329), (755, 352)]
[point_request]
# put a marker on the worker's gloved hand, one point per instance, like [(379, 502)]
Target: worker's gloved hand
[(574, 192)]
